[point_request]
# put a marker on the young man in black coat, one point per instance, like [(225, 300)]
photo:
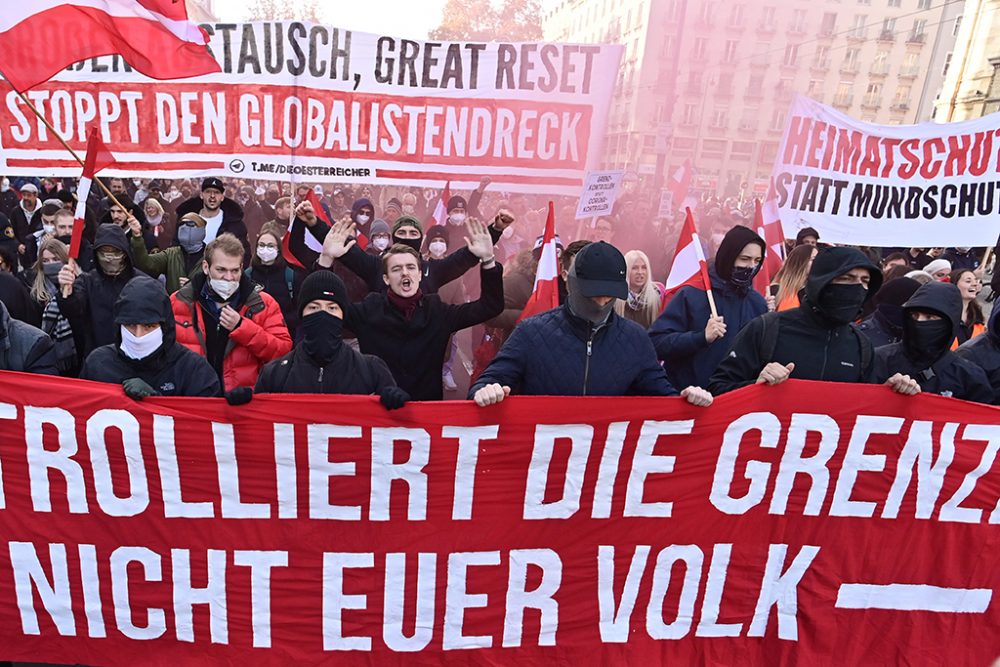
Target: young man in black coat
[(817, 340), (984, 351), (146, 358), (25, 348), (322, 363), (931, 318), (410, 330)]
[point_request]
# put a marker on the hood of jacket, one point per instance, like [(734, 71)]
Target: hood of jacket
[(144, 301), (358, 205), (114, 236), (732, 244), (943, 299), (231, 211), (833, 262)]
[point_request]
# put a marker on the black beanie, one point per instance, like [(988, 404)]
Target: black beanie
[(323, 285), (732, 245), (457, 202)]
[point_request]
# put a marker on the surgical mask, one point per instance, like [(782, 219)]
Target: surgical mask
[(154, 220), (742, 276), (408, 210), (136, 182), (224, 288), (456, 218), (380, 242), (267, 254), (925, 342), (321, 335), (842, 303), (191, 238), (413, 243), (507, 233), (52, 269), (437, 248), (140, 347), (584, 307), (362, 219), (49, 229), (112, 263)]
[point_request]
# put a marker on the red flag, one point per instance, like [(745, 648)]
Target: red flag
[(767, 224), (689, 266), (680, 183), (154, 36), (440, 215), (98, 158), (546, 293)]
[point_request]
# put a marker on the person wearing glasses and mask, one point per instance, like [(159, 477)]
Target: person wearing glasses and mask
[(178, 262)]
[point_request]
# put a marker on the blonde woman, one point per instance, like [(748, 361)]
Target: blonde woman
[(645, 297), (53, 255), (792, 275)]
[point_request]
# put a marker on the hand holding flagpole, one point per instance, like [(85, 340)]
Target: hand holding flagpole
[(690, 266)]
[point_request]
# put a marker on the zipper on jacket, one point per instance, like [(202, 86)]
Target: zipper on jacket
[(586, 367), (826, 353), (321, 369)]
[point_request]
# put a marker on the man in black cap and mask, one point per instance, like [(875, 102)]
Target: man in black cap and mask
[(582, 348), (930, 323), (322, 363), (687, 338), (817, 340), (885, 325), (146, 358)]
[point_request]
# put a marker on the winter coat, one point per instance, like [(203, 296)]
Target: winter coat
[(25, 348), (949, 374), (232, 219), (820, 350), (415, 351), (558, 354), (140, 214), (349, 372), (880, 330), (14, 294), (90, 307), (260, 337), (962, 260), (282, 282), (172, 370), (169, 263), (678, 334), (984, 351)]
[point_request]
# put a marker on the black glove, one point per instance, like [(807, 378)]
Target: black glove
[(138, 389), (393, 398), (239, 396)]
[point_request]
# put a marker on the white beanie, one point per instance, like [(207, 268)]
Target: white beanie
[(937, 265)]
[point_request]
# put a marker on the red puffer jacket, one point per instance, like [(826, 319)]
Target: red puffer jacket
[(261, 337)]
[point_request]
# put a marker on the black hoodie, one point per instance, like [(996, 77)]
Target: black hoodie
[(948, 374), (172, 370), (805, 336), (984, 351), (90, 308)]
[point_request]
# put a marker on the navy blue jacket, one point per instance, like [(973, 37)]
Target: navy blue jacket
[(678, 334), (546, 355)]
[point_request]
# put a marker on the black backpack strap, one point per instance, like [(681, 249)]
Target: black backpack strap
[(769, 336)]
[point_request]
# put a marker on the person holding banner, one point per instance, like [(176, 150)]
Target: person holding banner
[(688, 339), (817, 340), (178, 262), (146, 358), (582, 348), (931, 321)]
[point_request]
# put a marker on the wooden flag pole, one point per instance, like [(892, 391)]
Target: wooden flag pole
[(711, 302)]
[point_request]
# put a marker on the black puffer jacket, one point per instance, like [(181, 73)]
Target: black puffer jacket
[(349, 372), (90, 307), (820, 349), (948, 374), (24, 348), (172, 370), (984, 351)]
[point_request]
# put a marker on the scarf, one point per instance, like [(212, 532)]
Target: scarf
[(405, 304)]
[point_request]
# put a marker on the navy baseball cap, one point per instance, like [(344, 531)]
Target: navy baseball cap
[(600, 271)]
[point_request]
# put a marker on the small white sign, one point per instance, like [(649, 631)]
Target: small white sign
[(599, 191)]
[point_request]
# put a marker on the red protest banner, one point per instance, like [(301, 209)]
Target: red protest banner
[(780, 526)]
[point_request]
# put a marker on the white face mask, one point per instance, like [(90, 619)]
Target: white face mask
[(457, 218), (224, 288), (437, 248), (155, 220), (364, 218), (49, 229), (267, 255), (4, 185), (380, 242), (507, 233), (140, 347)]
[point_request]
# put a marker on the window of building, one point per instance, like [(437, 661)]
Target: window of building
[(903, 92), (895, 3), (767, 17), (694, 81), (700, 48), (881, 63), (708, 12), (821, 58), (860, 26), (947, 63), (815, 89), (851, 58), (799, 20), (732, 48), (919, 26), (926, 4), (874, 89), (778, 119), (690, 113), (829, 24), (889, 25), (720, 117), (791, 55), (864, 2), (958, 24), (725, 84), (736, 15)]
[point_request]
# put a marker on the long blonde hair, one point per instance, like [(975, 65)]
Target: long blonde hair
[(792, 275), (39, 290), (649, 297)]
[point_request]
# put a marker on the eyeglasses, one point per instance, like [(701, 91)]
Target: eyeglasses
[(266, 246)]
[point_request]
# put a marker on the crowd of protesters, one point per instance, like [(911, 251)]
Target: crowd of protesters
[(227, 288)]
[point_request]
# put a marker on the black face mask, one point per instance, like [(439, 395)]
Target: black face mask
[(584, 307), (321, 336), (925, 342), (413, 243), (742, 276), (893, 315), (842, 303), (67, 239)]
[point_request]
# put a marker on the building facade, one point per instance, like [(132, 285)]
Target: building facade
[(713, 81), (972, 86)]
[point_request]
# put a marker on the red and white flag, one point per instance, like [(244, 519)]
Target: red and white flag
[(767, 224), (680, 183), (690, 266), (440, 215), (154, 36), (546, 293), (98, 158)]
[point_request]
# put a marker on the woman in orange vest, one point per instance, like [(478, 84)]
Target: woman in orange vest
[(791, 278), (973, 323)]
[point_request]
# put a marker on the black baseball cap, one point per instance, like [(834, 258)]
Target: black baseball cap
[(213, 182), (600, 271)]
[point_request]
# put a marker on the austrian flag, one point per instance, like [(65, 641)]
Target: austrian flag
[(98, 158), (154, 36)]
